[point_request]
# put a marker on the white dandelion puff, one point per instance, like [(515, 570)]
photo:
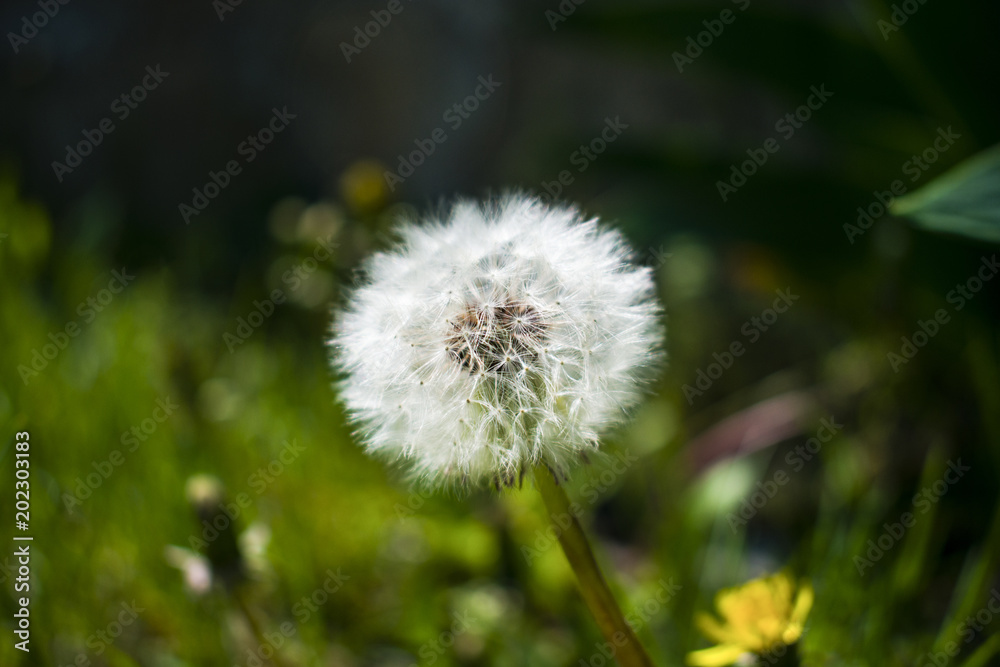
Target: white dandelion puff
[(507, 335)]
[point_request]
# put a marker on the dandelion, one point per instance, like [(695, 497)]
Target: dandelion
[(506, 337), (761, 618)]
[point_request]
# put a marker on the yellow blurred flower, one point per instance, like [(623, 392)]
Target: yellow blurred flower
[(363, 187), (759, 616)]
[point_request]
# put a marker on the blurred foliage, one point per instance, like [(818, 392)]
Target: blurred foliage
[(325, 554), (964, 201)]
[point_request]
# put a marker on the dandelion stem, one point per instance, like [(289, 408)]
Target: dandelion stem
[(593, 587)]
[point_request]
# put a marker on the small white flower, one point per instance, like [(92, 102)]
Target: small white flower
[(511, 333)]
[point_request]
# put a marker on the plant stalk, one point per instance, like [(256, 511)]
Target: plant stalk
[(593, 587)]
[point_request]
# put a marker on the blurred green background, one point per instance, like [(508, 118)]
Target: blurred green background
[(196, 377)]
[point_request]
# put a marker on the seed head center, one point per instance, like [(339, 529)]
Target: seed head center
[(501, 339)]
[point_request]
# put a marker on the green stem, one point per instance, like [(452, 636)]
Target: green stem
[(592, 585)]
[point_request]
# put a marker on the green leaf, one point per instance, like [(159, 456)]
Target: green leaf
[(981, 657), (965, 201)]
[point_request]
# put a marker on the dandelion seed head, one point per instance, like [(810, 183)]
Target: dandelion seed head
[(503, 335)]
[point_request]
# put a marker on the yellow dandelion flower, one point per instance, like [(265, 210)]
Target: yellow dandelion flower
[(758, 617)]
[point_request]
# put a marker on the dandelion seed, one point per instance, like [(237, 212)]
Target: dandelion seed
[(491, 303)]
